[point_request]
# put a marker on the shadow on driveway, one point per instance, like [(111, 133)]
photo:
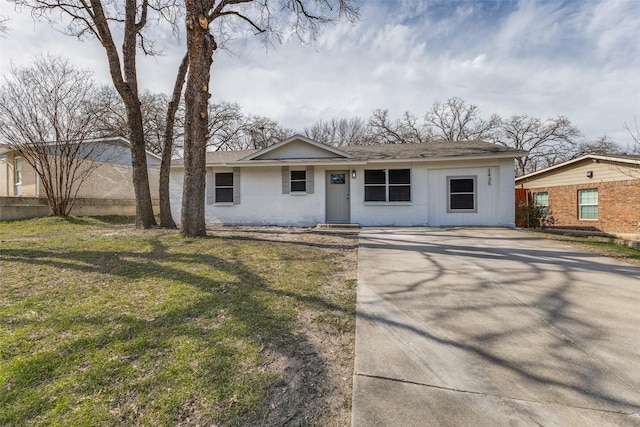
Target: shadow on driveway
[(477, 326)]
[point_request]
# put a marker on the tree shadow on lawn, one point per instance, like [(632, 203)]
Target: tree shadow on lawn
[(228, 319), (349, 239)]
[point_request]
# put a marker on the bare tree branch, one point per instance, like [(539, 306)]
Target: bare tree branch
[(48, 116)]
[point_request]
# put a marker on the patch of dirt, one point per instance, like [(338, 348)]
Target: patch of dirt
[(316, 378)]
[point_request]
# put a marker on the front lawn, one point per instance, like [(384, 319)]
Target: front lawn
[(101, 324)]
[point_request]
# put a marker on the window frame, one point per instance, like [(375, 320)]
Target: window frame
[(217, 186), (368, 185), (297, 180), (388, 186), (474, 193), (544, 207), (17, 170), (581, 205)]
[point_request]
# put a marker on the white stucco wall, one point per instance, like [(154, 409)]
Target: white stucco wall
[(495, 198), (262, 201)]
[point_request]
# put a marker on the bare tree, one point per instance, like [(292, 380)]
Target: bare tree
[(261, 132), (166, 219), (161, 117), (634, 132), (226, 127), (113, 121), (47, 115), (603, 146), (548, 142), (4, 28), (102, 19), (405, 130), (456, 121), (301, 18), (340, 131)]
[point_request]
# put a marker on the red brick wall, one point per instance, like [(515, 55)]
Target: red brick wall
[(618, 206)]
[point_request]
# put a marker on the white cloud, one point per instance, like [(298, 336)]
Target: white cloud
[(543, 58)]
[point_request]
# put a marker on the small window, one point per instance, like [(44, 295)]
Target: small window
[(298, 181), (338, 178), (588, 204), (382, 185), (18, 170), (541, 201), (224, 187), (462, 194)]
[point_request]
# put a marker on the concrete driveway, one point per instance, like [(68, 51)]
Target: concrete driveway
[(493, 327)]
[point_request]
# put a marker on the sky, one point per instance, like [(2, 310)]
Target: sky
[(579, 59)]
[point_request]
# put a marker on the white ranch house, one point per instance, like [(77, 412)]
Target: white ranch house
[(301, 182)]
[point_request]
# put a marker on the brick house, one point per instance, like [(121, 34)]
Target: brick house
[(108, 190), (593, 192)]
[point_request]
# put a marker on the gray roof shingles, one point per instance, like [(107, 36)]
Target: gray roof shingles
[(444, 149)]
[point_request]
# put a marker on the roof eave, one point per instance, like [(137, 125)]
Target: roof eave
[(576, 160)]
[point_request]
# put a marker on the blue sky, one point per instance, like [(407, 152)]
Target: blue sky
[(579, 58)]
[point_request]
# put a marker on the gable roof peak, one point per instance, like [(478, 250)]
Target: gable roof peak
[(297, 137)]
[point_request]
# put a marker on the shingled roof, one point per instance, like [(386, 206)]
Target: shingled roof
[(362, 153), (428, 150)]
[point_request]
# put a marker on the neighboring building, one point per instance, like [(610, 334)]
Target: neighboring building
[(301, 182), (108, 190), (593, 192)]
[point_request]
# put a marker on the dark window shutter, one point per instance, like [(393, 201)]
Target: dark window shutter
[(236, 186), (310, 187), (285, 179), (210, 187)]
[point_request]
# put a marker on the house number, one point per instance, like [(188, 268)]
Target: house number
[(488, 176)]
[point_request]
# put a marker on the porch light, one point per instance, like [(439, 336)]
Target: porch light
[(590, 174), (353, 174)]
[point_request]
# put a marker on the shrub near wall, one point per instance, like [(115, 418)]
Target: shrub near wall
[(618, 206)]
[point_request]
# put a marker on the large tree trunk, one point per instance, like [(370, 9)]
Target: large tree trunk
[(144, 205), (166, 219), (127, 87), (200, 48)]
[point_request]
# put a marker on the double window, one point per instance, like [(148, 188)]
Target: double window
[(461, 194), (387, 185), (588, 204)]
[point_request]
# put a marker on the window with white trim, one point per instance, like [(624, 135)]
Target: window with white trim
[(224, 187), (298, 182), (18, 170), (387, 185), (461, 194), (541, 201), (588, 204)]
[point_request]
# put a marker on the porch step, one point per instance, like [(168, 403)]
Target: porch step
[(339, 225)]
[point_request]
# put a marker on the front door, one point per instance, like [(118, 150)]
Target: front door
[(338, 205)]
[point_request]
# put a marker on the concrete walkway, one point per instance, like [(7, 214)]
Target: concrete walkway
[(492, 327)]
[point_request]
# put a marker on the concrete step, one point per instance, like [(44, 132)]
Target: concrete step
[(337, 225)]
